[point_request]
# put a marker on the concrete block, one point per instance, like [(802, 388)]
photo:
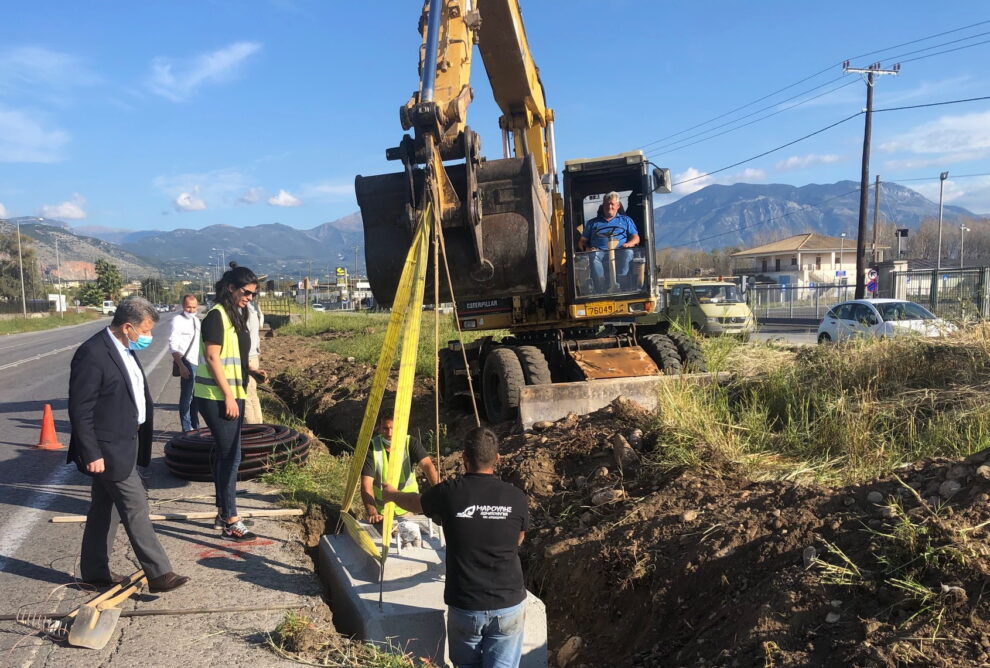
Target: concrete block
[(412, 615)]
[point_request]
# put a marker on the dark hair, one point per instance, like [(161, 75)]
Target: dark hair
[(480, 448), (134, 310), (237, 277)]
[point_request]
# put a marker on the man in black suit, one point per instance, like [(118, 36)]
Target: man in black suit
[(111, 413)]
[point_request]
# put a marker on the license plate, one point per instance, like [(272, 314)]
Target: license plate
[(595, 310)]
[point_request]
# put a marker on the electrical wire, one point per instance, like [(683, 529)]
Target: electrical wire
[(933, 104), (935, 178), (773, 150)]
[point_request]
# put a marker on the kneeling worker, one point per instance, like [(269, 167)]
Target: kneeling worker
[(484, 521), (373, 472)]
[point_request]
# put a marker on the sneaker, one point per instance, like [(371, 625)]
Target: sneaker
[(218, 522), (238, 532)]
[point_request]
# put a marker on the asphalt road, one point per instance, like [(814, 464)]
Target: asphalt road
[(39, 559)]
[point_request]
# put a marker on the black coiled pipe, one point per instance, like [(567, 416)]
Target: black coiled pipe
[(264, 447)]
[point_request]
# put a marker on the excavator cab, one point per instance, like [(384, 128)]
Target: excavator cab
[(603, 272)]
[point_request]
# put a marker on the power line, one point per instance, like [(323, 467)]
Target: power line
[(935, 178), (823, 71), (790, 143), (939, 53), (935, 46), (934, 104)]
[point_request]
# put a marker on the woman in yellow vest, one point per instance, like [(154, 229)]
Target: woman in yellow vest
[(221, 386)]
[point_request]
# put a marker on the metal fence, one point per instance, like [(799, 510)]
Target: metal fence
[(957, 294)]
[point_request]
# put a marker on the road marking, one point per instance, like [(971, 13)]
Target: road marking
[(33, 358), (21, 524)]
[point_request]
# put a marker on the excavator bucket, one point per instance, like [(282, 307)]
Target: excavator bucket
[(515, 223)]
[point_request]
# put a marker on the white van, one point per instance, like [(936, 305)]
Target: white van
[(109, 308)]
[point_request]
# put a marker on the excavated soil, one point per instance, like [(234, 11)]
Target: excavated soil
[(642, 567)]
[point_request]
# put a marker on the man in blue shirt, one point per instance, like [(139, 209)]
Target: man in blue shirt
[(610, 229)]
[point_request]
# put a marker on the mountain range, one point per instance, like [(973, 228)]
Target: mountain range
[(717, 216), (720, 216)]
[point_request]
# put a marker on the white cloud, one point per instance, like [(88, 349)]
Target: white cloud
[(970, 193), (217, 187), (251, 196), (178, 79), (332, 190), (966, 134), (189, 201), (68, 210), (42, 74), (803, 161), (694, 183), (284, 198), (24, 139), (3, 210)]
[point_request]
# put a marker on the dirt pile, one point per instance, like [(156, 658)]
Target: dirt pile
[(687, 569)]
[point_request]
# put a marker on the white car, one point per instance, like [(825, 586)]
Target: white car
[(318, 307), (866, 318)]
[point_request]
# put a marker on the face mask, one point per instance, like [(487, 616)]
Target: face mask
[(188, 314), (143, 341)]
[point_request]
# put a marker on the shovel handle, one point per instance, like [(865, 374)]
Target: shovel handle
[(134, 577), (122, 596)]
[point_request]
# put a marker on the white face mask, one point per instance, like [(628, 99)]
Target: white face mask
[(188, 314)]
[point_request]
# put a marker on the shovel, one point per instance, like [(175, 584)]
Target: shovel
[(96, 621)]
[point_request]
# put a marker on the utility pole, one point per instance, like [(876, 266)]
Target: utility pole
[(941, 189), (864, 184), (876, 215), (962, 243), (20, 265), (58, 268), (356, 249)]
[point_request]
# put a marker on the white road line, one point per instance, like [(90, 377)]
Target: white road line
[(10, 365)]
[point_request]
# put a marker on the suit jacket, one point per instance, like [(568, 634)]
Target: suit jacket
[(102, 411)]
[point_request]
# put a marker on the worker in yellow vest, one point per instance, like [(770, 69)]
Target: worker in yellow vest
[(373, 472)]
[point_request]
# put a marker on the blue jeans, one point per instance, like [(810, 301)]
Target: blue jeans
[(188, 415), (599, 266), (225, 457), (486, 638)]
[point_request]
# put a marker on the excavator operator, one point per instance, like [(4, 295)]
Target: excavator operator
[(609, 230)]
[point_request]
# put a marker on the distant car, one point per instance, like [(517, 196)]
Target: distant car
[(864, 318), (318, 307), (108, 308)]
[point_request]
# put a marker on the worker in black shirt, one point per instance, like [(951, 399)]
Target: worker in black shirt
[(484, 521), (373, 472)]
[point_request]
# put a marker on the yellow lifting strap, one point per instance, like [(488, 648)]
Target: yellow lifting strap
[(407, 311)]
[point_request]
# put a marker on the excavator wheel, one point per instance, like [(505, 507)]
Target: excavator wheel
[(534, 365), (501, 380), (692, 360), (451, 385), (663, 351)]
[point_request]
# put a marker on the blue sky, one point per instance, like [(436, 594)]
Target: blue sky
[(165, 115)]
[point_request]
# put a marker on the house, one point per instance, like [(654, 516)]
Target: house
[(803, 259)]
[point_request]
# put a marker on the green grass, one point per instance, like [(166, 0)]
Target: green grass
[(361, 336), (306, 641), (49, 321), (835, 414)]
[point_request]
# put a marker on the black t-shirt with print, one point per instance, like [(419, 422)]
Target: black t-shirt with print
[(212, 331), (482, 517), (416, 454)]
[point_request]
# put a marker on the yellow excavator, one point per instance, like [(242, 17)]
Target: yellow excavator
[(512, 235)]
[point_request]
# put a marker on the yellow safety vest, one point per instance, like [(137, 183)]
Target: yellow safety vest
[(407, 481), (230, 358)]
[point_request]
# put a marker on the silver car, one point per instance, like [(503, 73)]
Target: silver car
[(865, 318)]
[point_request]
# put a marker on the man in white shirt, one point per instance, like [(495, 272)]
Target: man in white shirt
[(252, 405), (183, 343)]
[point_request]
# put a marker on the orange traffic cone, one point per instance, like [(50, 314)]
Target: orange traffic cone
[(49, 439)]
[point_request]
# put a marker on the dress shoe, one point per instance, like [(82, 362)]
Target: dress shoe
[(167, 582), (114, 579)]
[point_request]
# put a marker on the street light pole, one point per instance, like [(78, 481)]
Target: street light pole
[(842, 248), (20, 265), (941, 189), (58, 268), (962, 243)]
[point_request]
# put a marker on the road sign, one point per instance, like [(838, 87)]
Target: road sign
[(871, 286), (871, 274), (341, 271), (840, 274)]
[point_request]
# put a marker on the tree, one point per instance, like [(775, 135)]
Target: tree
[(10, 269), (153, 290), (90, 295), (109, 280)]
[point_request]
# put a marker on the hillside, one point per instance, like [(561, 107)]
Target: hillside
[(77, 254), (718, 216)]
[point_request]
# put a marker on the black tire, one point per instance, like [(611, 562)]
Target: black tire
[(501, 380), (536, 371), (452, 384), (692, 359), (662, 350), (824, 338)]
